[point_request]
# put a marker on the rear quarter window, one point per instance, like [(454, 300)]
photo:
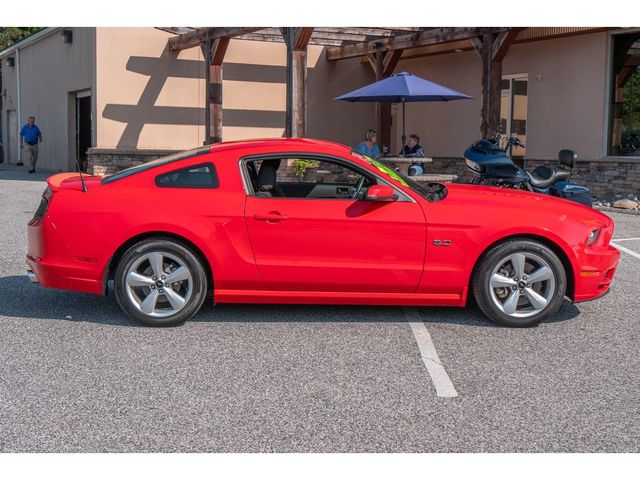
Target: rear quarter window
[(196, 176)]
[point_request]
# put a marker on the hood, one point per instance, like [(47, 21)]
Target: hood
[(529, 204)]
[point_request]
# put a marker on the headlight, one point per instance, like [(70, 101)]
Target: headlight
[(474, 166), (593, 236)]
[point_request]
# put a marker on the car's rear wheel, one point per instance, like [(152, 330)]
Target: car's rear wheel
[(160, 282), (519, 283)]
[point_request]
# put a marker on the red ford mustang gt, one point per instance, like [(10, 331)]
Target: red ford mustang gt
[(308, 221)]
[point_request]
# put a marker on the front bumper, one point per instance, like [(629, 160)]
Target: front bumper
[(597, 268)]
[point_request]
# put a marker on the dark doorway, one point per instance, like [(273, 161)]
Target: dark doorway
[(83, 129)]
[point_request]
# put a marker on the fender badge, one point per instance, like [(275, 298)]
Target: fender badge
[(442, 243)]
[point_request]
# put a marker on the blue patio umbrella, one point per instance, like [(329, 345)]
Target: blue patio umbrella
[(401, 88)]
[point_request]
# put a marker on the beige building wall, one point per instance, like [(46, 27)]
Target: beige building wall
[(147, 96), (565, 105), (50, 72), (338, 121), (152, 98)]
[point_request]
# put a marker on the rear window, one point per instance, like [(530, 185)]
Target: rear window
[(196, 176), (156, 163)]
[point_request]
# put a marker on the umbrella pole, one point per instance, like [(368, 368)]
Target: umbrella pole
[(404, 134)]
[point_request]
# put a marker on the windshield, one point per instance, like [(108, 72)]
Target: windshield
[(156, 163), (421, 189)]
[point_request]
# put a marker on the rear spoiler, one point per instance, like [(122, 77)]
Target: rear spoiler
[(69, 180)]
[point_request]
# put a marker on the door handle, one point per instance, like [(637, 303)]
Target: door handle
[(270, 217)]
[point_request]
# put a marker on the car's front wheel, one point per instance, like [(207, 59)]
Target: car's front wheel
[(160, 282), (519, 283)]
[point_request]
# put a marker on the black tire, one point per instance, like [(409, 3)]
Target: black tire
[(487, 297), (162, 245)]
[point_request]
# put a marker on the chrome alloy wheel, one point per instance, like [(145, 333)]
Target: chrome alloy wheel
[(522, 284), (159, 284)]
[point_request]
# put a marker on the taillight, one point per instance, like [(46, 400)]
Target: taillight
[(44, 203)]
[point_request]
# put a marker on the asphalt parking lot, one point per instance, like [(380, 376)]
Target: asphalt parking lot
[(77, 376)]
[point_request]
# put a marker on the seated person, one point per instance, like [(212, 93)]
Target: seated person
[(369, 147), (413, 149)]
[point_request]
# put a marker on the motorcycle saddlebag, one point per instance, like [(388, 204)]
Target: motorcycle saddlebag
[(573, 192)]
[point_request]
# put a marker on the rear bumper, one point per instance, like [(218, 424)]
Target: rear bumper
[(32, 276), (595, 274), (50, 264), (65, 277)]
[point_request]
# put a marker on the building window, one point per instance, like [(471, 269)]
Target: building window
[(624, 117)]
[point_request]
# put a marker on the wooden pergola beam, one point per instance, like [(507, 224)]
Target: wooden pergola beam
[(503, 42), (302, 37), (195, 38), (390, 62), (623, 76), (422, 38), (369, 31)]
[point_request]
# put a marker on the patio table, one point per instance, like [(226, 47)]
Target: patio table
[(403, 163)]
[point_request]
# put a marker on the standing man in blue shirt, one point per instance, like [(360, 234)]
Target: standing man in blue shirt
[(30, 136)]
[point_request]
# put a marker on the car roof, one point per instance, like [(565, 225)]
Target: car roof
[(283, 144), (272, 145)]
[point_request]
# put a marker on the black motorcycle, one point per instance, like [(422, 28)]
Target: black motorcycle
[(491, 165)]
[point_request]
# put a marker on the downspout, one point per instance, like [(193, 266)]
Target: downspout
[(19, 109)]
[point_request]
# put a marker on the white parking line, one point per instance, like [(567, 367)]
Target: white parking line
[(625, 239), (439, 376), (625, 250)]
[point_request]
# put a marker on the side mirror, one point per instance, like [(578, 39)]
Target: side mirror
[(380, 193)]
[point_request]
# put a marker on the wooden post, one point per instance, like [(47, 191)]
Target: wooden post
[(491, 78), (214, 51), (383, 63), (296, 40), (206, 51), (215, 100), (492, 48), (383, 109)]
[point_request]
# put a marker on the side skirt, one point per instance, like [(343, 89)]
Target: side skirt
[(339, 298)]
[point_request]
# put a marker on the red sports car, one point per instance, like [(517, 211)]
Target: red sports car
[(308, 221)]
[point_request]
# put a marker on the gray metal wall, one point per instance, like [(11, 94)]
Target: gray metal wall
[(50, 72)]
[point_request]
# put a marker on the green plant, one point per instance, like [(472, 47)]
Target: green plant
[(11, 35), (300, 166)]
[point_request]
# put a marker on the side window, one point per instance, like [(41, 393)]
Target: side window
[(300, 170), (308, 178), (196, 176)]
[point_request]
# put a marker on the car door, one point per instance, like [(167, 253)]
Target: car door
[(319, 239)]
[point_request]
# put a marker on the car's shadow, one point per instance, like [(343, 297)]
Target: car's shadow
[(23, 299)]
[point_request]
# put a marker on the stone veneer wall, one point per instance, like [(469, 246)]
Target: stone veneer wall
[(606, 178), (106, 161)]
